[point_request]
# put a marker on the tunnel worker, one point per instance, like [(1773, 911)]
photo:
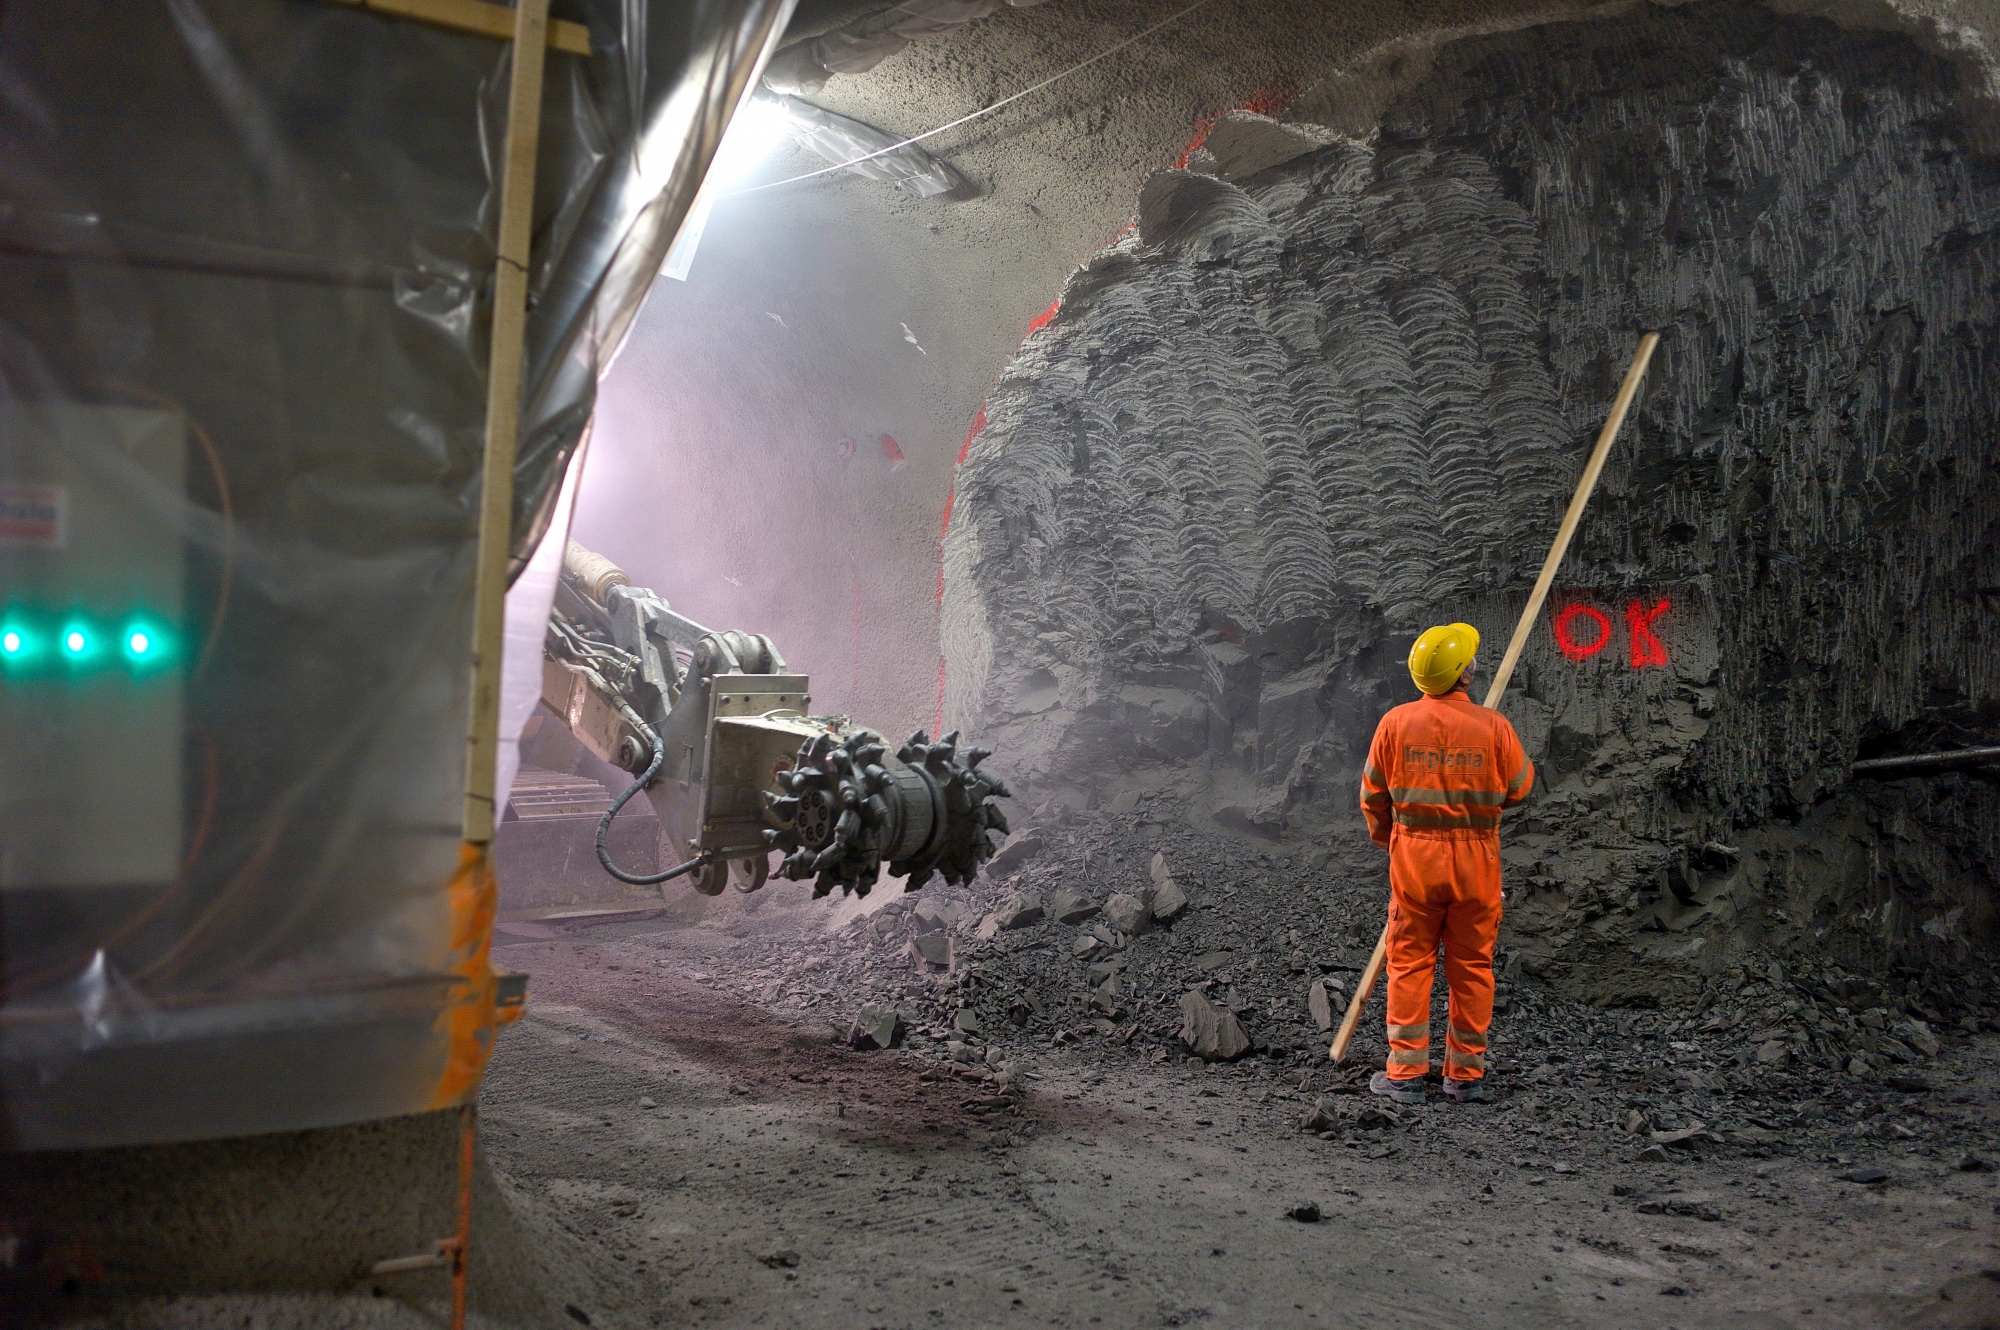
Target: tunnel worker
[(1439, 773)]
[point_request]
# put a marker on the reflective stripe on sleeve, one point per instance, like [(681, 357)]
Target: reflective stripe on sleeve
[(1520, 779)]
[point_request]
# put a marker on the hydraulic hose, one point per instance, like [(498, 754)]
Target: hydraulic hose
[(702, 860)]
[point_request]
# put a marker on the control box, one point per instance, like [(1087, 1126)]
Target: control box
[(94, 524)]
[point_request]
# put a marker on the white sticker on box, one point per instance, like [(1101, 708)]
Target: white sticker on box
[(34, 516)]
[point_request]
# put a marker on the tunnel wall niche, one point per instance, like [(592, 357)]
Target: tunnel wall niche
[(1295, 416)]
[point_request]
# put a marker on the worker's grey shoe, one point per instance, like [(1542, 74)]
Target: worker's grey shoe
[(1465, 1092), (1401, 1092)]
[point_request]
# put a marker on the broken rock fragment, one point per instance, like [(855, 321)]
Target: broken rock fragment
[(1319, 1117), (875, 1027), (1128, 914), (1324, 1004), (1213, 1035), (1069, 908), (1371, 1116), (1169, 901), (1918, 1035), (1019, 848), (1018, 910), (931, 950)]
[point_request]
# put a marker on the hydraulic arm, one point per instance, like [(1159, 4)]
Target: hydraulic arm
[(719, 735)]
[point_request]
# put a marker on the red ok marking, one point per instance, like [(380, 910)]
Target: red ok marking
[(1566, 634), (1639, 621)]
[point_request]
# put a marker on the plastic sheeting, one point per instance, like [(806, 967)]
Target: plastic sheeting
[(527, 627), (245, 254), (840, 139)]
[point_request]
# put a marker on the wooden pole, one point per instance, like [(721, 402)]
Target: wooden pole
[(1578, 502), (503, 412), (479, 17), (1345, 1035)]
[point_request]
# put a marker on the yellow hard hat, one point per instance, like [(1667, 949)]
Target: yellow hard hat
[(1441, 655)]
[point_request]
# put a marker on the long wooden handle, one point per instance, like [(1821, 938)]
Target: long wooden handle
[(1345, 1036), (1578, 502)]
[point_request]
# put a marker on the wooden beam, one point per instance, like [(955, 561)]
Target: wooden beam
[(503, 413), (477, 17)]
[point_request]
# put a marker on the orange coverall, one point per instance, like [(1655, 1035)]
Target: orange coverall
[(1439, 773)]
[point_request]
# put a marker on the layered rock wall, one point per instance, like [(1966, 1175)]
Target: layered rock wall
[(1297, 415)]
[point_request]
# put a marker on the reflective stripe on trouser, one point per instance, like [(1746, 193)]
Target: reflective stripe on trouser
[(1442, 891), (1409, 1047)]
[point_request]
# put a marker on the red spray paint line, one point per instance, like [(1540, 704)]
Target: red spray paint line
[(951, 495), (1262, 103), (1035, 325)]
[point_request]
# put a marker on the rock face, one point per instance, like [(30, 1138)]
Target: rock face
[(1204, 516)]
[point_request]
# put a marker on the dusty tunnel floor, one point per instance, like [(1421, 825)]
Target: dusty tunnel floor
[(680, 1108), (681, 1132)]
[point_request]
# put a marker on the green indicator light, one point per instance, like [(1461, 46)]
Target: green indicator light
[(78, 642), (20, 644), (146, 642)]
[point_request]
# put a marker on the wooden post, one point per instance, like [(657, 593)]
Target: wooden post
[(503, 412), (1578, 502)]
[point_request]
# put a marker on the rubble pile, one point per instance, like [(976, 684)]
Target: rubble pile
[(1142, 940)]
